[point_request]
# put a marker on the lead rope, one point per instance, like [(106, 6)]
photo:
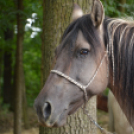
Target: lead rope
[(84, 87), (85, 111)]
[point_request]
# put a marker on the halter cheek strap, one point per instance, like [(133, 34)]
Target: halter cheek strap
[(81, 86)]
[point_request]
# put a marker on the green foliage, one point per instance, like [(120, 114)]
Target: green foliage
[(32, 64), (32, 52), (32, 46), (130, 8), (112, 8), (7, 15)]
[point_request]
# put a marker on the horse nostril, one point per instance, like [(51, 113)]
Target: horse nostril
[(46, 110)]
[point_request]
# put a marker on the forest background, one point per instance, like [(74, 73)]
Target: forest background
[(21, 24)]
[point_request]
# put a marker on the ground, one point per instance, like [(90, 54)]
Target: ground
[(6, 122), (102, 118)]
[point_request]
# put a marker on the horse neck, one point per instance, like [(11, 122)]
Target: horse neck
[(119, 38)]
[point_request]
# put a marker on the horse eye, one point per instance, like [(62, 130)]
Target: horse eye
[(84, 52)]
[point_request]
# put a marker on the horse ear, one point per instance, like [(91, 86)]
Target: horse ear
[(77, 12), (97, 13)]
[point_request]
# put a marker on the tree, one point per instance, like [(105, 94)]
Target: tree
[(56, 18), (7, 16), (1, 69), (19, 76), (7, 85), (121, 7)]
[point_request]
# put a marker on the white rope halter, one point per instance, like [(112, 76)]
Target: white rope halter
[(81, 86)]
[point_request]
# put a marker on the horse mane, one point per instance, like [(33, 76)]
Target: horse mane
[(119, 38)]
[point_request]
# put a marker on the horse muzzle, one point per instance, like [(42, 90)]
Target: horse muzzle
[(50, 116)]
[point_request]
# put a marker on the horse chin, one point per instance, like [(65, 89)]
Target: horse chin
[(73, 111), (62, 119), (74, 107), (59, 123), (55, 125)]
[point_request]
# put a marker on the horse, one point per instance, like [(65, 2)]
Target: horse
[(118, 122), (95, 52)]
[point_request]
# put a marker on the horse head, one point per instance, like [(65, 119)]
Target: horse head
[(81, 56)]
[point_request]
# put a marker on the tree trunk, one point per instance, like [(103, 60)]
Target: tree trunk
[(56, 18), (19, 76), (1, 70), (24, 106), (121, 8), (7, 84)]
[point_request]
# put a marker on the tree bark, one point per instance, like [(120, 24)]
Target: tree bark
[(121, 8), (24, 105), (7, 84), (56, 18), (19, 76), (1, 69)]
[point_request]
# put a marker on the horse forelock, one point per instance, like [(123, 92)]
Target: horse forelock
[(85, 25), (120, 41)]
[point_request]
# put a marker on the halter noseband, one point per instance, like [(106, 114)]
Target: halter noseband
[(81, 86)]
